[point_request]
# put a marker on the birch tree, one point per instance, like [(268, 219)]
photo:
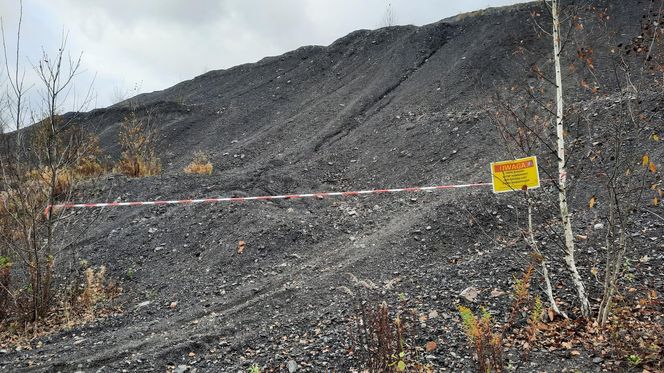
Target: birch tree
[(570, 260)]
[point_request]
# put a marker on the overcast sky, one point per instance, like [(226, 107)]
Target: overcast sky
[(134, 46)]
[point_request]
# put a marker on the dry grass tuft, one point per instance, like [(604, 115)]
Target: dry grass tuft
[(200, 165)]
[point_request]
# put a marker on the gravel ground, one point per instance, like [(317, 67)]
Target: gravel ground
[(398, 106)]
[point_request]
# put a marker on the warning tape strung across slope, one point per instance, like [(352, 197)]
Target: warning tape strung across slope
[(261, 198)]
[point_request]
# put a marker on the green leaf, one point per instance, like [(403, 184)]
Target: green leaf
[(401, 367)]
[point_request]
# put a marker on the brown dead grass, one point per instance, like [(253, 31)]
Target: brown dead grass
[(86, 302), (200, 165)]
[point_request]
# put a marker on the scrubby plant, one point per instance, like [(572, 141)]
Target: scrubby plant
[(39, 166), (138, 138), (486, 343), (381, 342), (94, 286), (200, 165), (5, 285), (254, 368), (88, 296)]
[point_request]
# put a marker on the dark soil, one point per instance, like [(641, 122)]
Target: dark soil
[(397, 106)]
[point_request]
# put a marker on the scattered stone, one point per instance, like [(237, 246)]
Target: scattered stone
[(597, 360), (181, 369), (292, 366), (470, 293), (173, 305), (495, 293), (143, 304), (352, 212), (599, 226), (433, 314), (152, 230)]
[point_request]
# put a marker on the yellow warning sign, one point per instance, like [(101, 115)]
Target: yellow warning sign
[(518, 174)]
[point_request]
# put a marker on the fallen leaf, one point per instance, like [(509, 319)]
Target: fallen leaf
[(401, 366), (652, 167), (645, 160), (192, 354), (592, 202), (575, 353), (430, 346), (551, 314), (240, 247), (655, 201), (655, 137), (566, 345)]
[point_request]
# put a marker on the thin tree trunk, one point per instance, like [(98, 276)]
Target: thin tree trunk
[(545, 270), (562, 194)]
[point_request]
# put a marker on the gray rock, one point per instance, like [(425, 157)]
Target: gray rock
[(181, 369), (470, 293), (292, 366)]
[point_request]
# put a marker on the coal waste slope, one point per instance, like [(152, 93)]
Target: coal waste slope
[(393, 107)]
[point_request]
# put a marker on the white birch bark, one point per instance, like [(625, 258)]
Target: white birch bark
[(545, 270), (562, 179)]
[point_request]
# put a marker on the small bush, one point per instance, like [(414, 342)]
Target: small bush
[(89, 162), (138, 140), (488, 345), (138, 166), (42, 180), (380, 341), (86, 164), (87, 296), (200, 165)]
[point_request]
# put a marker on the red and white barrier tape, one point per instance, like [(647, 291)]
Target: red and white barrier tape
[(261, 198)]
